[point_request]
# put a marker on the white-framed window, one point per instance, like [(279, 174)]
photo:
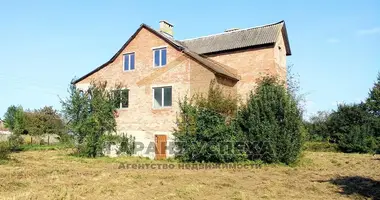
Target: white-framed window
[(162, 97), (121, 98), (159, 57), (129, 61)]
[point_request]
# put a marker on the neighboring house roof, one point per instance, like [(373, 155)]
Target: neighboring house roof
[(245, 38), (240, 38)]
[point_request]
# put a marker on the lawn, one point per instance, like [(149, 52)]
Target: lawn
[(53, 174)]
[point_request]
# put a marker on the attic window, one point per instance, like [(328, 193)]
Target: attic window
[(159, 57), (129, 61)]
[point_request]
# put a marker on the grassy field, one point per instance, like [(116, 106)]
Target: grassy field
[(53, 174)]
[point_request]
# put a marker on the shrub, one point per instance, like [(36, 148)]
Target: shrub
[(271, 123), (127, 145), (320, 147), (217, 100), (351, 128), (15, 141), (4, 151), (317, 127), (203, 133), (359, 139)]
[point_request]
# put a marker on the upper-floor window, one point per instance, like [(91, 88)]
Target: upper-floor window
[(159, 57), (129, 61), (162, 97), (121, 98)]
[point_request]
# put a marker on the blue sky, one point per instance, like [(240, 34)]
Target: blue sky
[(44, 44)]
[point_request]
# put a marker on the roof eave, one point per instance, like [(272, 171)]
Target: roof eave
[(286, 40), (203, 62)]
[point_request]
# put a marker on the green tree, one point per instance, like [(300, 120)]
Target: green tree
[(271, 122), (317, 126), (14, 119), (350, 126), (90, 116), (373, 100), (44, 121), (373, 106)]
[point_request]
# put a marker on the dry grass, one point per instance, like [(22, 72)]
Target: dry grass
[(55, 175)]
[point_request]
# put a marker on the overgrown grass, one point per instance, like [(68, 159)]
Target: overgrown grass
[(320, 147), (55, 175), (37, 147), (4, 152)]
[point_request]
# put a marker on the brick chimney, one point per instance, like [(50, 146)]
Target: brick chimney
[(166, 27)]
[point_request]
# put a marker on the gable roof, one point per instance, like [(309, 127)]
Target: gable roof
[(194, 48), (237, 39), (217, 69)]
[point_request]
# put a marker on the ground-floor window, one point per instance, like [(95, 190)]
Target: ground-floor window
[(162, 97), (121, 98)]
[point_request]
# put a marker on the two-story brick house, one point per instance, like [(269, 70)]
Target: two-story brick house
[(158, 70)]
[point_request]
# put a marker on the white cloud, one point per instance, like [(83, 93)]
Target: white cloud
[(333, 40), (371, 31)]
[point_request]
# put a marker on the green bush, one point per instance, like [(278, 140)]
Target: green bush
[(268, 128), (15, 141), (351, 128), (359, 139), (127, 145), (271, 123), (317, 127), (217, 100), (204, 132), (320, 147), (4, 151)]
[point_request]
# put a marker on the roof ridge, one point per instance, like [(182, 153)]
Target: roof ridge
[(261, 26)]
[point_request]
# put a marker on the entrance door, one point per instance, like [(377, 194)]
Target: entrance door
[(160, 146)]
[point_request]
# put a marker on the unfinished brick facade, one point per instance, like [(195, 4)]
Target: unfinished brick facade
[(185, 74)]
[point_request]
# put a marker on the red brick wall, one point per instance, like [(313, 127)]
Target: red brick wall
[(178, 73), (251, 64)]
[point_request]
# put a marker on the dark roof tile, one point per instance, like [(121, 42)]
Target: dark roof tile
[(237, 39)]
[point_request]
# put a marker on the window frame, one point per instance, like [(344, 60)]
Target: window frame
[(162, 97), (129, 61), (121, 103), (160, 56)]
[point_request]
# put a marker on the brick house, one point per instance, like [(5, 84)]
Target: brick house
[(157, 70)]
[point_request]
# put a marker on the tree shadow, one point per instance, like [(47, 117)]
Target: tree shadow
[(363, 186)]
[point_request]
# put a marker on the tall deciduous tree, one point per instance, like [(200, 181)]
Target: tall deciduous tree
[(90, 116), (14, 119), (43, 121)]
